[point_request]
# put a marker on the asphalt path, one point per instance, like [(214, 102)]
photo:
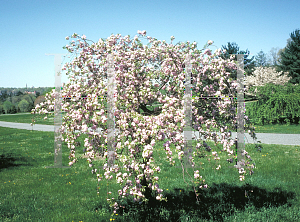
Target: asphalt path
[(267, 138)]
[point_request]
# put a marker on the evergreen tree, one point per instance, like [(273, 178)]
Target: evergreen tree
[(19, 93), (261, 60), (290, 58), (232, 48), (3, 95)]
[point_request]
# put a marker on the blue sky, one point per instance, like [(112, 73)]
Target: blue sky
[(30, 29)]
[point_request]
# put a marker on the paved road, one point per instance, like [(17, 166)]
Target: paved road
[(267, 138)]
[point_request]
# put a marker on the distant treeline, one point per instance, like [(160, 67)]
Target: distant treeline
[(18, 100)]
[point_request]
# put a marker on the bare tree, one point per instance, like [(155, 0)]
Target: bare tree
[(274, 56), (282, 50)]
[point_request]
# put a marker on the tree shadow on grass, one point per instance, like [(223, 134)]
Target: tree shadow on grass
[(8, 160), (215, 202)]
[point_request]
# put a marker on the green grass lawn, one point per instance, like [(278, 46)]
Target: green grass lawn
[(27, 118), (31, 192)]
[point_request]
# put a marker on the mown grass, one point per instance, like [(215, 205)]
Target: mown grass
[(31, 192), (28, 118)]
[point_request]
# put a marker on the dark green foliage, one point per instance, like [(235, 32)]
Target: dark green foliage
[(14, 109), (276, 104), (19, 93), (3, 95), (290, 58), (47, 91), (232, 48)]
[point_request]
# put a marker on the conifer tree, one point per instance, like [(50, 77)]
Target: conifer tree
[(261, 60), (232, 48), (290, 58)]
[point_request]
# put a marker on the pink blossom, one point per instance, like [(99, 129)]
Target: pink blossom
[(196, 175), (207, 51), (210, 42)]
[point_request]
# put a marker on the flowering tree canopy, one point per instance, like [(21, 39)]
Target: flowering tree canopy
[(141, 127), (264, 75)]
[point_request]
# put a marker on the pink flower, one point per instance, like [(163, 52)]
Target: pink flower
[(210, 42), (135, 120), (207, 51), (84, 128), (196, 175), (159, 190)]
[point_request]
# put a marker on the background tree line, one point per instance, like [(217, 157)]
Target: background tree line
[(283, 60), (17, 100)]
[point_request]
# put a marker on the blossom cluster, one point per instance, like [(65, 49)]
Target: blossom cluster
[(264, 75)]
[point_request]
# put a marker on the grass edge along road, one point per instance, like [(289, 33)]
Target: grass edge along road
[(27, 118), (29, 191)]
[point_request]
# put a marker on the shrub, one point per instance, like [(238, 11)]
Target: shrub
[(263, 75), (276, 104)]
